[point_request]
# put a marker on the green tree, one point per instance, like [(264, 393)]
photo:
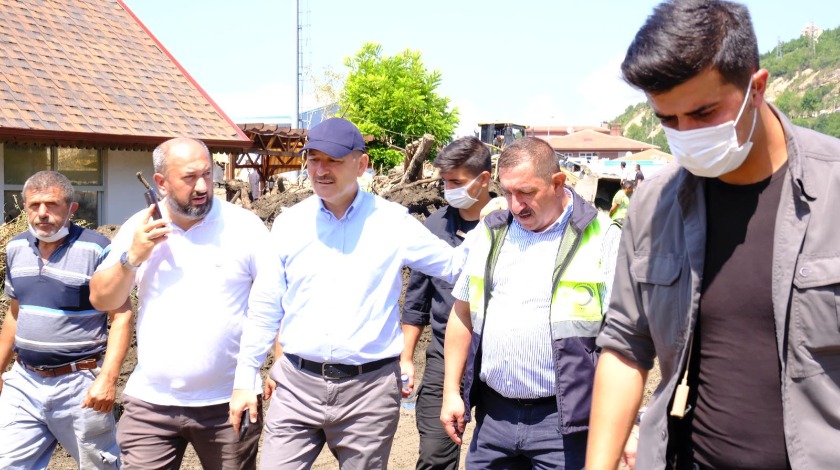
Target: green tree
[(829, 124), (394, 99), (636, 133), (660, 140), (811, 100), (789, 103)]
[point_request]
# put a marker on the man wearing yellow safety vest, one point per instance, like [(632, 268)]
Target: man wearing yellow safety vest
[(529, 304)]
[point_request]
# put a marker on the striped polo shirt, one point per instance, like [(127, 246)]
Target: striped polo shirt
[(56, 323)]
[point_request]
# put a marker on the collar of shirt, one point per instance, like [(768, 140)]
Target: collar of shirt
[(348, 214), (561, 222), (74, 231)]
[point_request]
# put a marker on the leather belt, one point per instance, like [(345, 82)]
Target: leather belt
[(519, 401), (333, 371), (46, 372)]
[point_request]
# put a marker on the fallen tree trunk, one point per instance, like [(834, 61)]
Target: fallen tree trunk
[(421, 148)]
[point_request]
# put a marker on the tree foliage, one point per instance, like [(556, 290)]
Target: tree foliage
[(394, 99), (804, 53)]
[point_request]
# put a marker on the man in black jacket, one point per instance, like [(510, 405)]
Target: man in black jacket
[(465, 171)]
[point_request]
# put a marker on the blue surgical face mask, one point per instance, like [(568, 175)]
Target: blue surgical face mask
[(460, 198)]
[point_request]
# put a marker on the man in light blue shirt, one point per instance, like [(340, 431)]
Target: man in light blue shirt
[(335, 286)]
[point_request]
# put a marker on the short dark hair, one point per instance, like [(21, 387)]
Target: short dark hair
[(685, 37), (466, 152), (623, 164), (44, 180), (627, 184), (534, 150)]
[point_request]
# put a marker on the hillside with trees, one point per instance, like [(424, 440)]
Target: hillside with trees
[(804, 84)]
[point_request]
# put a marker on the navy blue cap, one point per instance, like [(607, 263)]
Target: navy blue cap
[(336, 137)]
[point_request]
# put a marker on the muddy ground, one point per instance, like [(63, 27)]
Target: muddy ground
[(421, 201)]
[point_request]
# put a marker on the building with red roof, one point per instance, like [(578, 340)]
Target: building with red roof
[(87, 90)]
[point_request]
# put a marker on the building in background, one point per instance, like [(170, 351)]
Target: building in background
[(87, 90)]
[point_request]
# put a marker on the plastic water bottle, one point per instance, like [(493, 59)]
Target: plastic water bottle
[(408, 403)]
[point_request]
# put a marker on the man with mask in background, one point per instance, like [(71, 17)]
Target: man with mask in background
[(728, 270), (465, 171)]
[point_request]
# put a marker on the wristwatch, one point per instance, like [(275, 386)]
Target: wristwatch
[(126, 263)]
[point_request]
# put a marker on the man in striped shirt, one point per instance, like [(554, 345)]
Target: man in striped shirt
[(62, 387), (529, 304)]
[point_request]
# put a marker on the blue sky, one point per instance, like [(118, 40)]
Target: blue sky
[(534, 62)]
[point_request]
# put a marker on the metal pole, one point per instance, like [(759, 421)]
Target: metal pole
[(296, 122)]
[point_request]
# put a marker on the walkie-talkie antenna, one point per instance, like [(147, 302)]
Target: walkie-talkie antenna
[(143, 180)]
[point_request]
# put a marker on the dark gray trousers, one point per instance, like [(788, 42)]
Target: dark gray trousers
[(155, 437), (437, 451)]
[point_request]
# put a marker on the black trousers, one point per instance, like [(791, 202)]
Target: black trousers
[(437, 451)]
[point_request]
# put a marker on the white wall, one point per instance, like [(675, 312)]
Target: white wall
[(123, 193)]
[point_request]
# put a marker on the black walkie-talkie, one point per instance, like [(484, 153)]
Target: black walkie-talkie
[(151, 196)]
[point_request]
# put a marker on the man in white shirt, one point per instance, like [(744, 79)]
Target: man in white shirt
[(194, 269), (335, 286)]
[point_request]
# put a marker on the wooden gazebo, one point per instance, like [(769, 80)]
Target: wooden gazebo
[(274, 149)]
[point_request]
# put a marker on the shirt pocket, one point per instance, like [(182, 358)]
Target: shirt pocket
[(815, 317), (662, 292)]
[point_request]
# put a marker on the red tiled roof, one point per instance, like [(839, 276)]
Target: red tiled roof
[(589, 140), (89, 71)]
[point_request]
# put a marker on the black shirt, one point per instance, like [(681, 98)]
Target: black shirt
[(428, 300), (736, 421)]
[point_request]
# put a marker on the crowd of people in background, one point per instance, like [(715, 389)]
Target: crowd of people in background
[(546, 314)]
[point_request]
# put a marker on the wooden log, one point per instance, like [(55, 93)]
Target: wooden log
[(415, 167)]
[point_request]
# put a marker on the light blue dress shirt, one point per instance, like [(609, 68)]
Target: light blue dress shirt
[(336, 283)]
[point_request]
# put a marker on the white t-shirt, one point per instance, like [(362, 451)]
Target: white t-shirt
[(193, 296)]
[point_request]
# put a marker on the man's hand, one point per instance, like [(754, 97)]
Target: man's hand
[(407, 367), (268, 388), (629, 456), (148, 234), (101, 394), (452, 417), (239, 401)]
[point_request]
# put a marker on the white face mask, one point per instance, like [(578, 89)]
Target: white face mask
[(711, 151), (460, 198), (58, 235)]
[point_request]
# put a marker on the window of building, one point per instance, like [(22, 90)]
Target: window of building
[(82, 166), (588, 154)]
